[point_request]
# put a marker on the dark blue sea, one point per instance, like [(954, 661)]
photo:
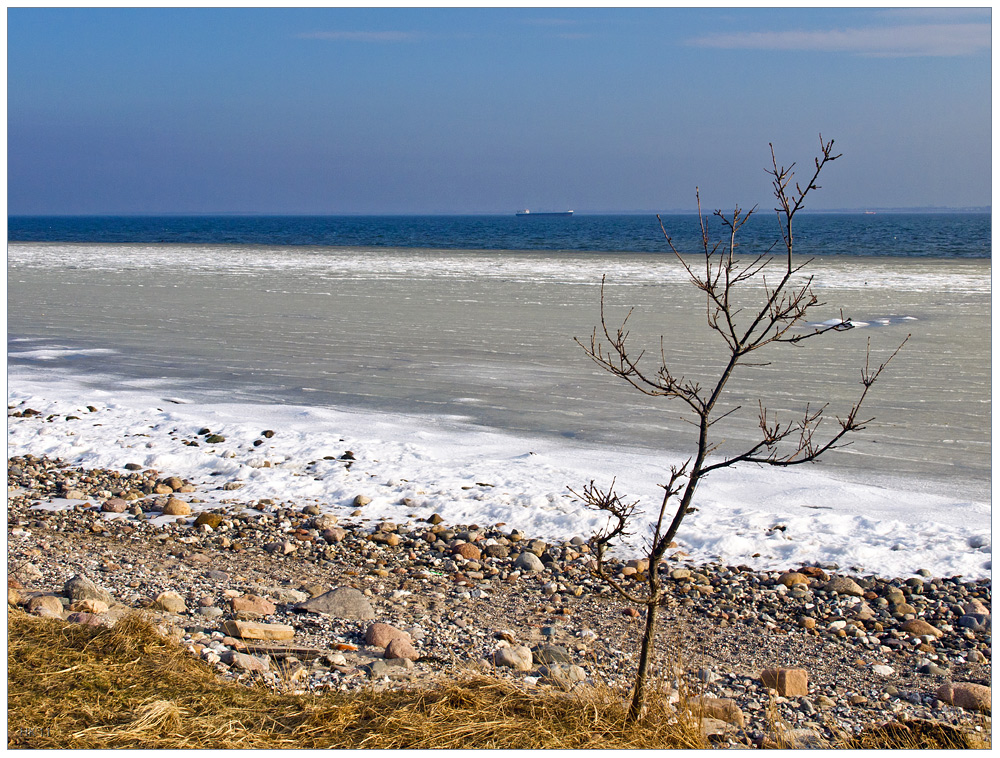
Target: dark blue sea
[(923, 235)]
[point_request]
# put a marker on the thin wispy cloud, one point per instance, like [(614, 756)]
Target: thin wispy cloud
[(382, 36), (941, 15), (900, 41)]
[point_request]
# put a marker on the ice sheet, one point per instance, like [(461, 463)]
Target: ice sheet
[(765, 518)]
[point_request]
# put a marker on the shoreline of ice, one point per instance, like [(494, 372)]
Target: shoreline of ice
[(763, 518), (624, 268)]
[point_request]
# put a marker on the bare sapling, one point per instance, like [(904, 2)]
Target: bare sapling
[(752, 303)]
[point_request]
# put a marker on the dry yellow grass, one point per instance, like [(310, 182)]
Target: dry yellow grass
[(71, 686), (77, 687)]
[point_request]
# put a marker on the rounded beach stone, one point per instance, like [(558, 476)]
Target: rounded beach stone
[(175, 507), (976, 607), (537, 547), (495, 551), (334, 534), (517, 657), (844, 585), (792, 578), (114, 505), (211, 519), (245, 662), (966, 695), (324, 521), (528, 561), (251, 630), (468, 551), (380, 635), (400, 647), (919, 627), (976, 622), (81, 588), (45, 605), (170, 602)]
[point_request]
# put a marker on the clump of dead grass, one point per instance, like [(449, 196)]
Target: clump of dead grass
[(77, 687), (919, 734)]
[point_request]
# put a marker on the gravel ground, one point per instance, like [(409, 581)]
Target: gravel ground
[(463, 592)]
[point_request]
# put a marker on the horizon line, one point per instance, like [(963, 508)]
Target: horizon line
[(640, 212)]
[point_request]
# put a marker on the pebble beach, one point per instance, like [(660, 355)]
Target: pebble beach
[(278, 594)]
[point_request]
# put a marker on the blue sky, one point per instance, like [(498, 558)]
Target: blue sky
[(488, 110)]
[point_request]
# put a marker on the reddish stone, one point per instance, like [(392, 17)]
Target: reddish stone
[(252, 604), (399, 647), (468, 551), (380, 635), (966, 695), (115, 505)]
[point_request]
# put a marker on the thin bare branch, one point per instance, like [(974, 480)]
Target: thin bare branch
[(751, 304)]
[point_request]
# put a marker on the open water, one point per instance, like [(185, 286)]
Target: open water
[(475, 318), (909, 235)]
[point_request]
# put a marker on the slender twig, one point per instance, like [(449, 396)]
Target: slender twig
[(784, 306)]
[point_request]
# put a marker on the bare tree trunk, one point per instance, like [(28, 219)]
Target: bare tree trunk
[(645, 657), (744, 328)]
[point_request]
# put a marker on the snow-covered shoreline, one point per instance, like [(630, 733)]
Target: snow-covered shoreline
[(413, 466)]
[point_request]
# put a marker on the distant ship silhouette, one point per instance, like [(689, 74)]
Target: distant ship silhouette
[(526, 212)]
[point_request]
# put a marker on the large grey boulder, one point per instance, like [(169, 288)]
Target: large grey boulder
[(81, 588), (343, 602)]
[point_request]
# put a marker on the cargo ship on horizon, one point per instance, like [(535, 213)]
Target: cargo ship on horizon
[(527, 212)]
